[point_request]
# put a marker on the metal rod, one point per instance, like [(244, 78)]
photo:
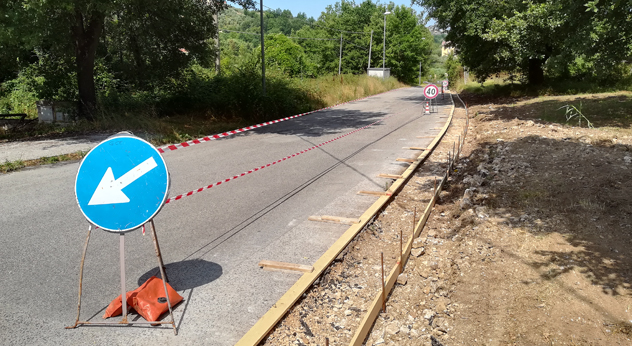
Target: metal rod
[(401, 249), (326, 341), (158, 253), (414, 221), (83, 259), (121, 323), (122, 259), (460, 146), (163, 275), (383, 289)]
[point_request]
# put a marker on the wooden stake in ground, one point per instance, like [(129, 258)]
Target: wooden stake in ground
[(383, 289), (401, 248)]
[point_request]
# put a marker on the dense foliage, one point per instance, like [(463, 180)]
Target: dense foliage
[(408, 42), (531, 38), (103, 52)]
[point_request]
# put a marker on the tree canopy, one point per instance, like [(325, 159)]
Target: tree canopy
[(85, 49), (140, 39), (408, 41), (531, 37)]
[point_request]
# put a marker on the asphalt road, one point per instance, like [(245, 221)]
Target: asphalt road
[(211, 241)]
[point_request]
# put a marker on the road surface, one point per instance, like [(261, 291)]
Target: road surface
[(211, 241)]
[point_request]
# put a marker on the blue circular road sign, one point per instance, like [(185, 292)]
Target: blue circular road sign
[(122, 183)]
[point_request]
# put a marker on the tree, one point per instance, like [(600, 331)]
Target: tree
[(286, 55), (151, 31), (521, 36), (408, 44)]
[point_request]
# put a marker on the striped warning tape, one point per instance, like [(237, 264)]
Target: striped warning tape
[(172, 147), (178, 197)]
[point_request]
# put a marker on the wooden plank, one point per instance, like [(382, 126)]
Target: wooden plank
[(389, 176), (335, 219), (372, 312), (414, 148), (369, 318), (375, 193), (274, 265), (405, 160), (339, 219)]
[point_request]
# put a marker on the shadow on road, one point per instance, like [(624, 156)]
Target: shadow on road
[(327, 122), (187, 274)]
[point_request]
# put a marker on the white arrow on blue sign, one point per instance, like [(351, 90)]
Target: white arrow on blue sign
[(122, 183)]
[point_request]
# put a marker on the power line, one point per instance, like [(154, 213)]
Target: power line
[(239, 32), (349, 32), (298, 38), (348, 42), (313, 38)]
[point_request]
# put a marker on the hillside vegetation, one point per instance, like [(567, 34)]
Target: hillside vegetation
[(120, 60)]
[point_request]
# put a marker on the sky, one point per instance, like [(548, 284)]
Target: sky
[(313, 8)]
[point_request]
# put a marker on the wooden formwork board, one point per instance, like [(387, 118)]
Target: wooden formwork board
[(269, 320)]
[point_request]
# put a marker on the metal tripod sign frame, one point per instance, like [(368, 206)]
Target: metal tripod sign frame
[(143, 174)]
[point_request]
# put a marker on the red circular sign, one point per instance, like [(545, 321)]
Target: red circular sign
[(431, 91)]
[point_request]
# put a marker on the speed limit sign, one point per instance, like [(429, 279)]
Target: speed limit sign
[(431, 91), (445, 83)]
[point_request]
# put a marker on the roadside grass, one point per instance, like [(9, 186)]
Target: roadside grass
[(601, 106), (206, 106), (500, 87), (603, 110), (12, 166)]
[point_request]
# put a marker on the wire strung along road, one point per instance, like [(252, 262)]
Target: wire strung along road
[(211, 241)]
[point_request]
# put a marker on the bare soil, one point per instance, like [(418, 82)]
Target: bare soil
[(529, 244)]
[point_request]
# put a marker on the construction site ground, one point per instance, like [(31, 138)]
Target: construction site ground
[(530, 242)]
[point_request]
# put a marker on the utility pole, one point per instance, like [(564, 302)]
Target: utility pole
[(370, 46), (263, 52), (384, 50), (340, 59), (217, 58)]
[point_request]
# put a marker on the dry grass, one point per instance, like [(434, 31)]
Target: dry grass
[(333, 90), (11, 166)]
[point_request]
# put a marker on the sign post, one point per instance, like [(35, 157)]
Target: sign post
[(121, 184), (430, 92)]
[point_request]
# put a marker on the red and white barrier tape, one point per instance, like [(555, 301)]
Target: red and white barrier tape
[(277, 161), (172, 147)]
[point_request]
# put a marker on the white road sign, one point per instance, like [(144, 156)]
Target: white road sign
[(431, 91)]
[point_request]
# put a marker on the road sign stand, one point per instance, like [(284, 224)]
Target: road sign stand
[(430, 92), (124, 320)]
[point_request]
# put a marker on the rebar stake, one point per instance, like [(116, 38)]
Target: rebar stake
[(83, 259), (383, 289), (401, 249)]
